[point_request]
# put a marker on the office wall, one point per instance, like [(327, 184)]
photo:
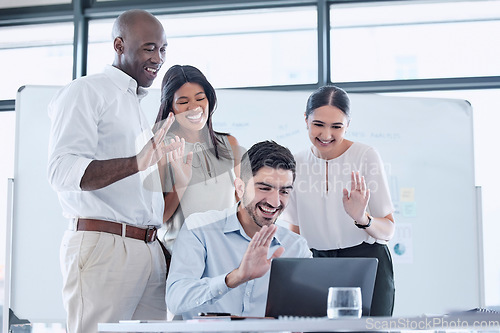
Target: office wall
[(426, 145)]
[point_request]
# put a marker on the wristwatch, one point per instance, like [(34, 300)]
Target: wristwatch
[(364, 226)]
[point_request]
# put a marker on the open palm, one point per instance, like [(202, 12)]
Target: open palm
[(255, 262), (356, 201), (182, 169)]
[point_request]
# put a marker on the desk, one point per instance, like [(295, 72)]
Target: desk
[(484, 322)]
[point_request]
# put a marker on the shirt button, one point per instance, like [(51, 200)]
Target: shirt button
[(220, 292), (248, 293)]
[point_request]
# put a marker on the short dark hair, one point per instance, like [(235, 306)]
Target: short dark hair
[(266, 153), (329, 95)]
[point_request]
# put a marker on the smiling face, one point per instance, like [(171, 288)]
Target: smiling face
[(263, 197), (141, 49), (326, 127), (190, 105)]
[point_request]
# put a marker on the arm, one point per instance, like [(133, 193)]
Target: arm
[(101, 173), (355, 204), (187, 289), (75, 113)]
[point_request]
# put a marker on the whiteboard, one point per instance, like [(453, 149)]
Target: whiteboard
[(426, 145), (428, 151)]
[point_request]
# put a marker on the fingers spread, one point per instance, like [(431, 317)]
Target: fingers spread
[(269, 234), (363, 184), (358, 181), (173, 145), (257, 239), (157, 138)]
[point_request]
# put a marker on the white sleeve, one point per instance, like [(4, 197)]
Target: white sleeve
[(380, 204), (73, 135), (289, 215)]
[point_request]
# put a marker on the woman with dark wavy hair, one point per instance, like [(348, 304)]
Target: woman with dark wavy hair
[(202, 178)]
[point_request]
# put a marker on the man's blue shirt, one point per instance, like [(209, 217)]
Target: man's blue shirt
[(209, 246)]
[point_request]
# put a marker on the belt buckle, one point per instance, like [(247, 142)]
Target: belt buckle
[(150, 234)]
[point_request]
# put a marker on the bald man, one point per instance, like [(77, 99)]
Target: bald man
[(101, 149)]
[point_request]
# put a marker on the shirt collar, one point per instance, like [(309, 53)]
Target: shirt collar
[(233, 224), (124, 81)]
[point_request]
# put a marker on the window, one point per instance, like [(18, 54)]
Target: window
[(230, 48), (415, 40), (35, 54), (26, 3)]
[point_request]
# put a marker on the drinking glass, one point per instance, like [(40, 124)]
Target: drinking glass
[(344, 302)]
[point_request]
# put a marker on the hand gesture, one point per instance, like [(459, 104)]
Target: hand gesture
[(355, 203), (255, 262), (155, 148), (182, 170)]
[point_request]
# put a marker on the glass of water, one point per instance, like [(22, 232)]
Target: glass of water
[(344, 302)]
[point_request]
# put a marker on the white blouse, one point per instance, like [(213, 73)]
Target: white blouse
[(316, 202)]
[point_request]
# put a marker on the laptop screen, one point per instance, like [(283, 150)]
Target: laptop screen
[(299, 286)]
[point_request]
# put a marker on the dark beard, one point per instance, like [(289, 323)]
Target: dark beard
[(251, 213)]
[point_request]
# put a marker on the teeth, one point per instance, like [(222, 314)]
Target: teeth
[(152, 70), (268, 210), (325, 141), (194, 117)]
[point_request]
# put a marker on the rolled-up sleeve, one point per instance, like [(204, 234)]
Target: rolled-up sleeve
[(73, 135)]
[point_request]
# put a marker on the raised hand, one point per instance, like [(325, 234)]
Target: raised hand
[(356, 201), (156, 148), (255, 262), (182, 170)]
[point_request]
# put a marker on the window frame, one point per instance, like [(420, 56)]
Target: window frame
[(82, 11)]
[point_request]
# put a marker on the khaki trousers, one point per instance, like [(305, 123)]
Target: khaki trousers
[(108, 278)]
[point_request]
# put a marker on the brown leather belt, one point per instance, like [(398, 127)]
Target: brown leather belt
[(147, 235)]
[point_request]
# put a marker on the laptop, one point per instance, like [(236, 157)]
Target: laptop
[(299, 286)]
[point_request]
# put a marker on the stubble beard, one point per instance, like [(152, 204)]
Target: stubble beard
[(252, 212)]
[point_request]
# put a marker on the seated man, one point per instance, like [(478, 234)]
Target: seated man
[(221, 259)]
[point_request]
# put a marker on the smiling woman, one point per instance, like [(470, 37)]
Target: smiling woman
[(211, 162), (367, 203)]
